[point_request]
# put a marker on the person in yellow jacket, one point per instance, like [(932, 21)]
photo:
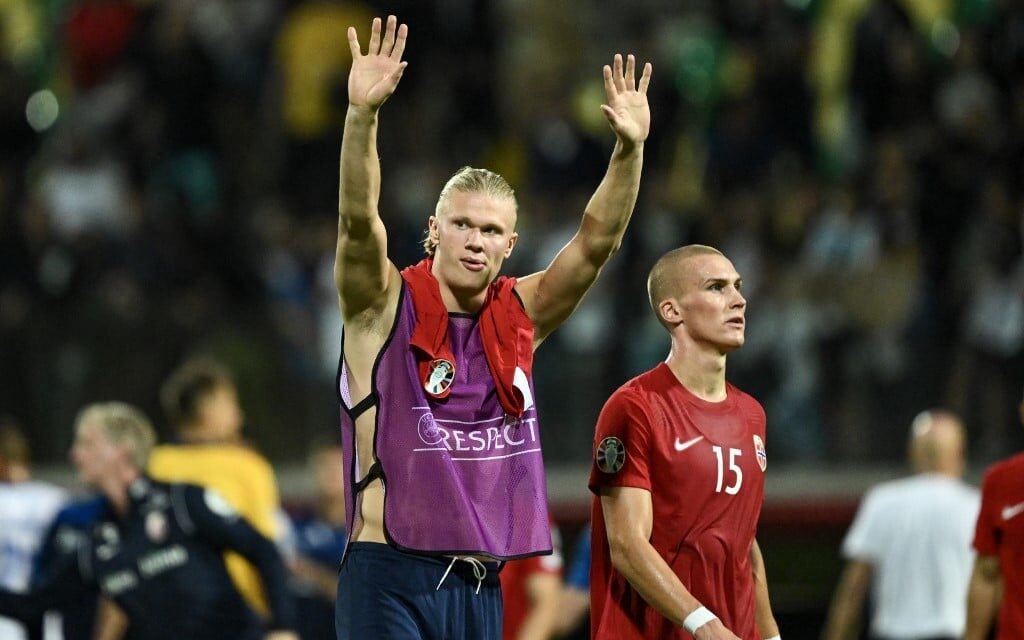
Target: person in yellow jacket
[(200, 401)]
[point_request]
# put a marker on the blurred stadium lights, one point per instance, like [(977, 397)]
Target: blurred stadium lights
[(42, 110), (945, 37)]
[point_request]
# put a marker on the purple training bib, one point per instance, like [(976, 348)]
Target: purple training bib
[(460, 476)]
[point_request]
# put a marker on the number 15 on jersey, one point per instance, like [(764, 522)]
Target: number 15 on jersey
[(734, 470)]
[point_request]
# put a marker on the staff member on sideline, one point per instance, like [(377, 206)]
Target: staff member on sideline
[(156, 551), (911, 540)]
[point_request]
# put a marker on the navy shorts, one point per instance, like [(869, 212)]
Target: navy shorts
[(384, 594)]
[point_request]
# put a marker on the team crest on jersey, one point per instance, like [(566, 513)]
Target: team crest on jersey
[(111, 542), (440, 375), (156, 526), (759, 453), (611, 455)]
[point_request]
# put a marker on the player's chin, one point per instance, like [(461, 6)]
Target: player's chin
[(471, 283), (479, 279), (733, 342)]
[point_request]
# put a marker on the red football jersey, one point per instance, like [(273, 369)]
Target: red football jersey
[(1000, 532), (704, 464)]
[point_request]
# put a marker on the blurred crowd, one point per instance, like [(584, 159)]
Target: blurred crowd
[(169, 170)]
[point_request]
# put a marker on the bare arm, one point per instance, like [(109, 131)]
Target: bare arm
[(766, 624), (574, 605), (628, 518), (544, 591), (550, 296), (983, 597), (362, 272), (847, 602), (323, 580)]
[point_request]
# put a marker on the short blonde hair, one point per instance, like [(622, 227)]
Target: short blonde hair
[(663, 279), (122, 424), (471, 180)]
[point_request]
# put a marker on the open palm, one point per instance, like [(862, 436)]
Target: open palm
[(627, 110), (374, 76)]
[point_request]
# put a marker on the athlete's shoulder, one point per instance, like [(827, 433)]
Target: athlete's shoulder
[(1006, 467), (38, 490), (894, 490), (633, 392), (742, 396), (172, 459), (82, 513), (655, 380), (1011, 468), (247, 454)]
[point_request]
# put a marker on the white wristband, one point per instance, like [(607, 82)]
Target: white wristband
[(778, 637), (698, 618)]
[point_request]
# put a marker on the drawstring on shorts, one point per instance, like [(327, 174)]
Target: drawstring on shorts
[(479, 571)]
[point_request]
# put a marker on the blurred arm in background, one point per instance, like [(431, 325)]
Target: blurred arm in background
[(766, 624), (847, 602), (983, 597)]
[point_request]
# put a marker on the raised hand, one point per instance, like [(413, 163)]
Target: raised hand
[(374, 77), (627, 110)]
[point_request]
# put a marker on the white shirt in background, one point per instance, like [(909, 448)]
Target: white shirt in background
[(26, 511), (916, 534)]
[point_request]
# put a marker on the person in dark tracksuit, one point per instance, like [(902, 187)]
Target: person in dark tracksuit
[(156, 548), (66, 534)]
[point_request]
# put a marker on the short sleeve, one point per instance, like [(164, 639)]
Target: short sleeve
[(621, 444), (986, 537), (861, 542)]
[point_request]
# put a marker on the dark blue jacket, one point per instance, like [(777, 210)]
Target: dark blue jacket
[(163, 565)]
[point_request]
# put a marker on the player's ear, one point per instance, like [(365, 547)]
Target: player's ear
[(432, 228), (670, 311), (512, 239)]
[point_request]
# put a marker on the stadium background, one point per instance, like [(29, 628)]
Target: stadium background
[(168, 188)]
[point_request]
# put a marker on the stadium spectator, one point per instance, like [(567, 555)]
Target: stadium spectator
[(910, 543)]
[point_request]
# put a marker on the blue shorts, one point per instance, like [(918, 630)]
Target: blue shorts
[(385, 594)]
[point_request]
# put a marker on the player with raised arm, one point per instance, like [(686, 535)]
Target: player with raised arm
[(443, 469)]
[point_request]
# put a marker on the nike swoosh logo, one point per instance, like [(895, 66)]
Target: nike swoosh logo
[(683, 446), (1014, 511)]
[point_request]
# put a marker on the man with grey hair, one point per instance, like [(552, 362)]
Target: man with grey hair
[(156, 548), (911, 543), (443, 469)]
